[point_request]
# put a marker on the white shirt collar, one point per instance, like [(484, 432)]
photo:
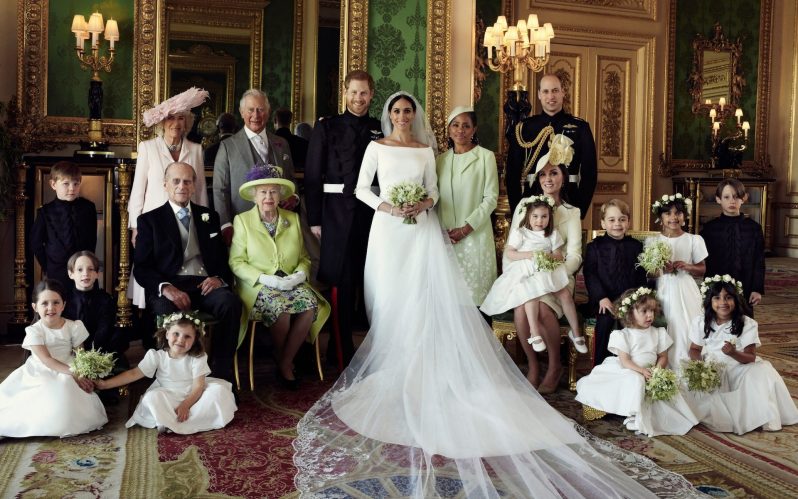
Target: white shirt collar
[(176, 207), (251, 134)]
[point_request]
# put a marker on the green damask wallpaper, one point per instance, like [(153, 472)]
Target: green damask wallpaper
[(67, 83), (327, 94), (278, 26), (691, 133), (397, 55), (489, 103)]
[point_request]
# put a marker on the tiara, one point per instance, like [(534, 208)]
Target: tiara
[(709, 281), (630, 300), (539, 198), (167, 320), (667, 199)]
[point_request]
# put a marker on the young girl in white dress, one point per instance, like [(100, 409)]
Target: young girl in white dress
[(43, 397), (523, 282), (618, 384), (182, 398), (676, 287), (752, 394)]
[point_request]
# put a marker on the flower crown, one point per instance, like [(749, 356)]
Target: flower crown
[(709, 281), (630, 300), (667, 199), (167, 320), (539, 198)]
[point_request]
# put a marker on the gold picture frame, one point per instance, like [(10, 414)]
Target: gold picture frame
[(760, 166), (32, 33)]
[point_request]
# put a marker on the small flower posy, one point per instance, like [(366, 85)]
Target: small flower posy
[(663, 384), (632, 299), (542, 197), (670, 198), (166, 321), (205, 217), (709, 281)]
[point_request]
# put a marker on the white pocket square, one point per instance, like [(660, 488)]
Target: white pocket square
[(214, 234)]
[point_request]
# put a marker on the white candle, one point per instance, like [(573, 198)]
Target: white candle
[(746, 127), (712, 114), (738, 113)]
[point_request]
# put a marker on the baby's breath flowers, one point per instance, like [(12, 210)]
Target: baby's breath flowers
[(701, 375), (655, 255), (662, 385), (405, 193), (92, 364), (709, 281)]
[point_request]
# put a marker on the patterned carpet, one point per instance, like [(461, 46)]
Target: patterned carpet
[(252, 457)]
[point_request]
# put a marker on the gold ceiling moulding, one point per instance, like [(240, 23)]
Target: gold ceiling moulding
[(641, 9), (296, 60)]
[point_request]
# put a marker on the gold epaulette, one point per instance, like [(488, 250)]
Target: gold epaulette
[(537, 143)]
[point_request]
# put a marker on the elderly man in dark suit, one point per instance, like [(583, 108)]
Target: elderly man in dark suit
[(181, 261), (239, 153)]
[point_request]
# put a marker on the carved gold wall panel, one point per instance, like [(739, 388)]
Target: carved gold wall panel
[(612, 126), (646, 9), (438, 63), (354, 38), (568, 67)]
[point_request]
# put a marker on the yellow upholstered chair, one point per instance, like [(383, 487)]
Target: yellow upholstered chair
[(252, 327)]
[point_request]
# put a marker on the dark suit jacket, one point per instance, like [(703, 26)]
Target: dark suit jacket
[(60, 229), (610, 268), (159, 249), (298, 145)]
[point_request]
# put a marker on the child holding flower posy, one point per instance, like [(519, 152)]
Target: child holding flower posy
[(676, 287), (618, 385), (182, 398), (44, 397), (535, 270), (752, 394)]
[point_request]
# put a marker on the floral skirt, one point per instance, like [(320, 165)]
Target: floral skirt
[(271, 302)]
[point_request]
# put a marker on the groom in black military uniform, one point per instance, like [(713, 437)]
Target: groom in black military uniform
[(335, 216), (529, 141)]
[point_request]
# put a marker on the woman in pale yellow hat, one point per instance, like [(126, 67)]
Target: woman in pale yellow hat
[(469, 187)]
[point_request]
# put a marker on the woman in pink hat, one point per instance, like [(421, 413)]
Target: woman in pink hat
[(172, 120)]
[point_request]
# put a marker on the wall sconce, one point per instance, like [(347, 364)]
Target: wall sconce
[(727, 147), (96, 63)]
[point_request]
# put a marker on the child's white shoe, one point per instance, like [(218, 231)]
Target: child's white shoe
[(631, 423), (578, 341), (537, 343)]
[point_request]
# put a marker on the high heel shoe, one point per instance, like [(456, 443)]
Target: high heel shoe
[(288, 384), (578, 341)]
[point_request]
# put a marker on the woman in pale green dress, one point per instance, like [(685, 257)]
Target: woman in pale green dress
[(469, 187)]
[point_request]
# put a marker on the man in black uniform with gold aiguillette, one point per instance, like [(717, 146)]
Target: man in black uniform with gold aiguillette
[(335, 215), (530, 140)]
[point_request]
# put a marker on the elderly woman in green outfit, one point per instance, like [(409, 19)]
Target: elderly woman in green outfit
[(271, 266), (469, 187)]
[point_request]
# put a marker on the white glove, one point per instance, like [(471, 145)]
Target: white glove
[(295, 279), (275, 282)]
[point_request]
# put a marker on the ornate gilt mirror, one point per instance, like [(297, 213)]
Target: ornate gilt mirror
[(716, 71)]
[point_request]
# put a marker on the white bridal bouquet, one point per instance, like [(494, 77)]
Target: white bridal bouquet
[(545, 262), (654, 256), (405, 193), (662, 385), (92, 364), (701, 375)]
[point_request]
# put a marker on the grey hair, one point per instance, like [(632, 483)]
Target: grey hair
[(254, 92), (158, 127)]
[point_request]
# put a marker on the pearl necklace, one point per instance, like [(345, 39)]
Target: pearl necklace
[(175, 147)]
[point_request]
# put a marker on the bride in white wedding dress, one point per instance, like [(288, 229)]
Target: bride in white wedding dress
[(431, 405)]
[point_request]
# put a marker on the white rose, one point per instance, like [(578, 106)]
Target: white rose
[(664, 197), (205, 217), (726, 278)]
